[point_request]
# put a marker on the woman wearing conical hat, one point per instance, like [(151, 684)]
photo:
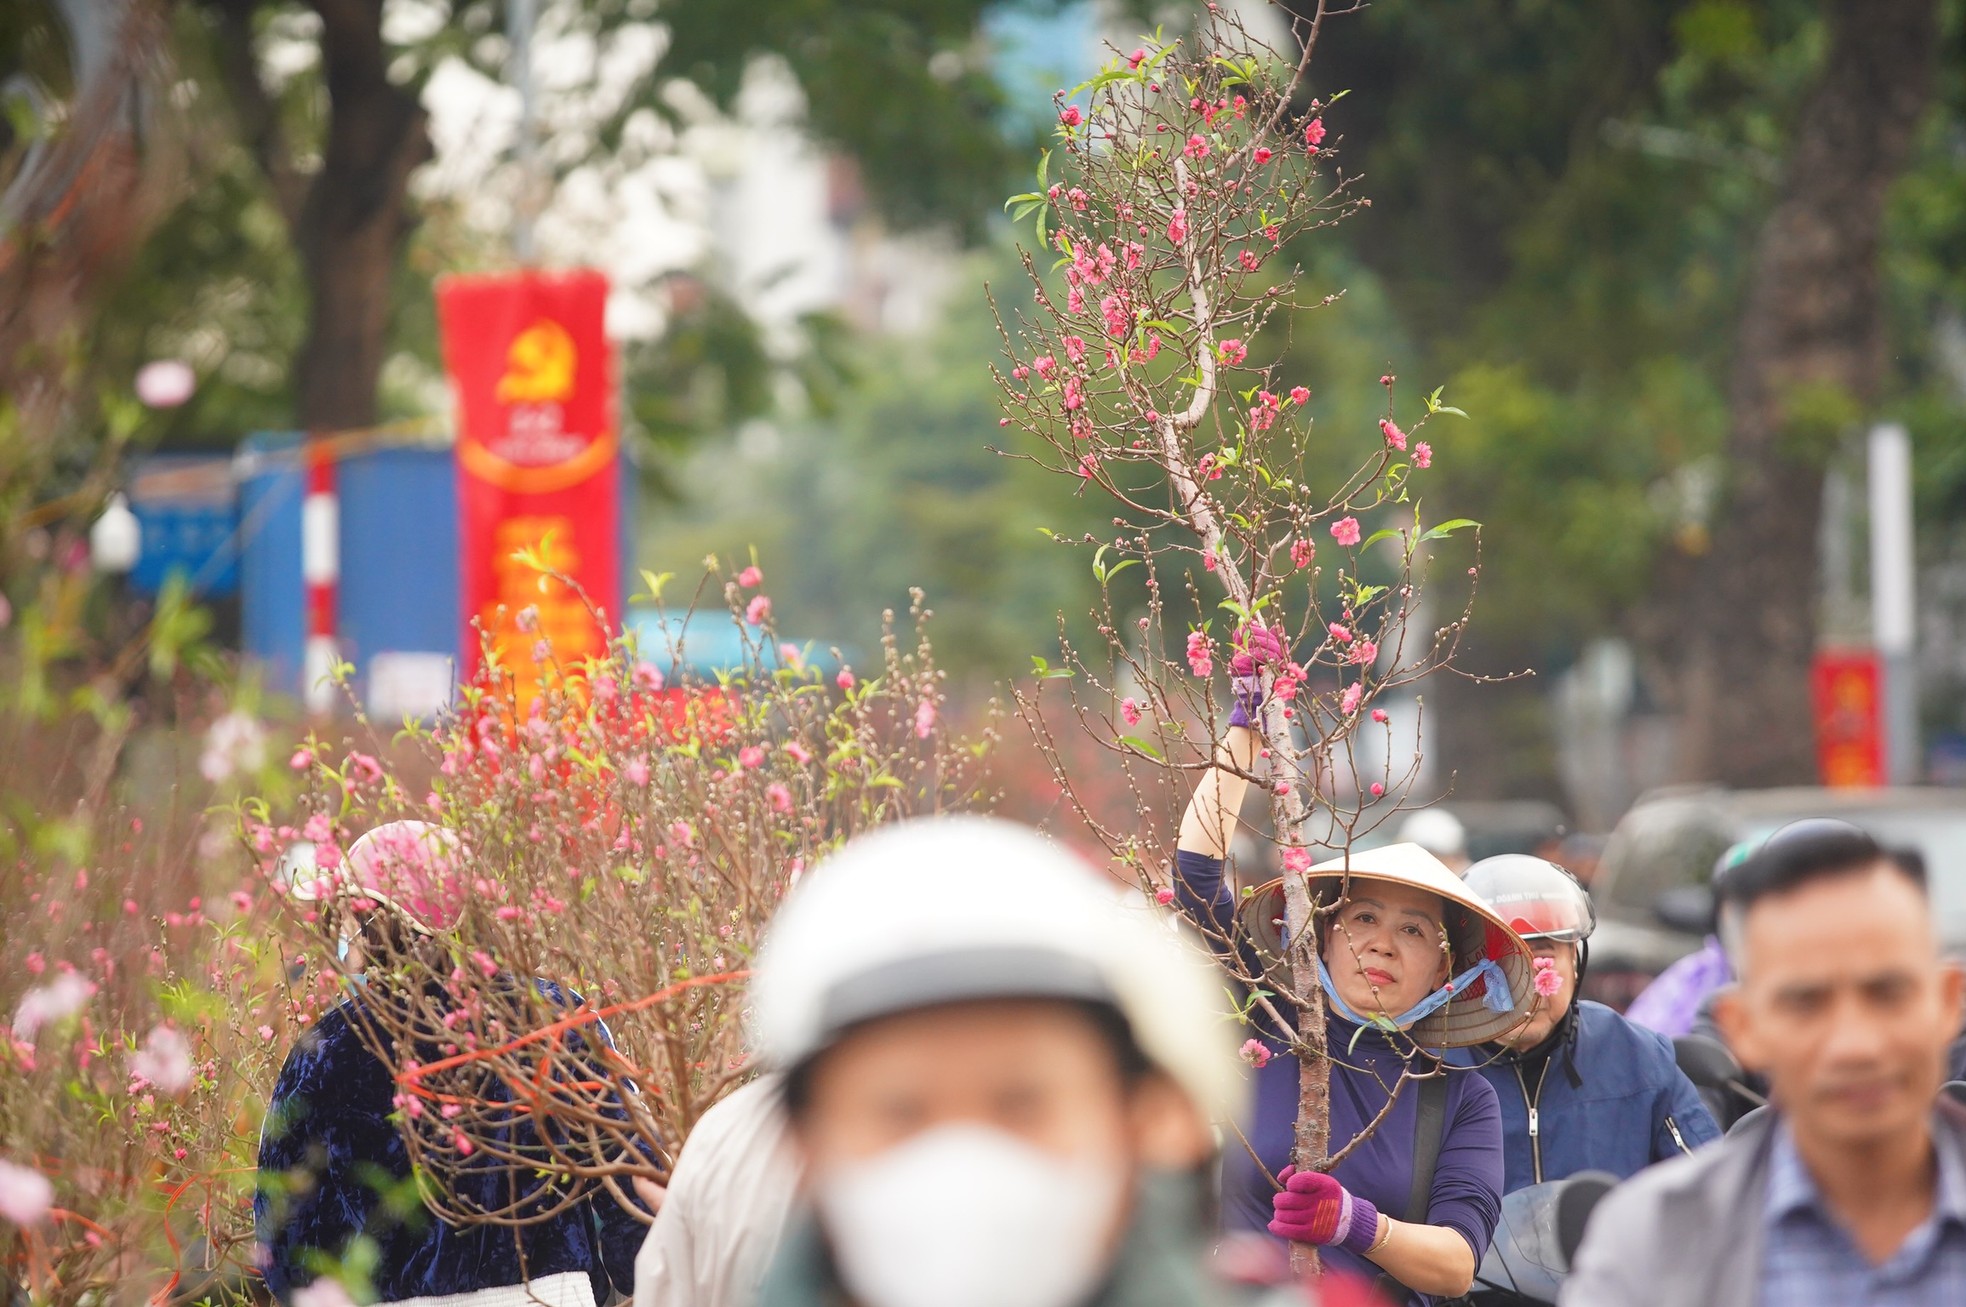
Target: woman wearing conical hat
[(1410, 963)]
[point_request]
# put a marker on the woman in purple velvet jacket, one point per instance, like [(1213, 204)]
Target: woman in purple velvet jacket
[(1408, 944), (336, 1191)]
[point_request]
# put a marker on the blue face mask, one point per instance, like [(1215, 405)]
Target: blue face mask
[(1495, 994), (341, 950)]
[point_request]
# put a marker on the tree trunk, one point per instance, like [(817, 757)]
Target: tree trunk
[(1810, 361), (354, 218)]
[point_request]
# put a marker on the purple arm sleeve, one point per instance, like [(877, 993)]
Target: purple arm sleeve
[(1467, 1191)]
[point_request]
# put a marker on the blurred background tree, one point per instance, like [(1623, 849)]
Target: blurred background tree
[(1569, 200)]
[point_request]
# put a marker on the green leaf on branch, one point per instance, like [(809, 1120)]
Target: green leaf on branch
[(1446, 529), (1139, 745), (1435, 406), (1384, 532), (655, 583), (1119, 567), (1046, 672)]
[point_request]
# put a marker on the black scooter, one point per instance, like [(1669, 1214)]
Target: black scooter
[(1540, 1230)]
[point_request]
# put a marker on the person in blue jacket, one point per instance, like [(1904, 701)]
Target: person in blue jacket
[(1581, 1088), (1407, 947), (336, 1189)]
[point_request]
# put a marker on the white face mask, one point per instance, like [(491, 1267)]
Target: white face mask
[(971, 1216)]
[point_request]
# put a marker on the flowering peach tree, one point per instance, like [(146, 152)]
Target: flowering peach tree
[(143, 1001), (622, 838), (1145, 368)]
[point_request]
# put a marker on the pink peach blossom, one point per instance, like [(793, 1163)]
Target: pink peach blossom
[(750, 576), (25, 1195), (757, 610), (1345, 531), (164, 1060), (58, 1000)]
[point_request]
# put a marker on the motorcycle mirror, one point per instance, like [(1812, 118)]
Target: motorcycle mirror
[(1575, 1202), (1706, 1062), (1685, 908)]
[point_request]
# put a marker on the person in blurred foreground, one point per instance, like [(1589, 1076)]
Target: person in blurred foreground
[(726, 1205), (1409, 946), (1853, 1189), (1581, 1088), (998, 1080), (334, 1171)]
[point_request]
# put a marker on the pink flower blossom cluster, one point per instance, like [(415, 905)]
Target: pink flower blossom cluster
[(26, 1196), (1264, 414), (1201, 657), (1345, 531)]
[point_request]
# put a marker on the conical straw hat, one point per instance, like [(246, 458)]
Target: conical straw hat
[(1473, 928)]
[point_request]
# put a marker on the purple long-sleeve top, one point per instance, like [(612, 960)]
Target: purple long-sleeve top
[(1466, 1194)]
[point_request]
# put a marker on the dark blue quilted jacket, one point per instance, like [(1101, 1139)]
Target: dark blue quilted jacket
[(332, 1167)]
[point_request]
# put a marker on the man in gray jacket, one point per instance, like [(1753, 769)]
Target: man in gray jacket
[(1854, 1189)]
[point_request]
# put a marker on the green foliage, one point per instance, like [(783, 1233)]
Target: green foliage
[(899, 488), (1565, 198)]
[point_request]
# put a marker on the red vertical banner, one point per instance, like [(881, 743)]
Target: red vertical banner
[(1847, 686), (537, 463)]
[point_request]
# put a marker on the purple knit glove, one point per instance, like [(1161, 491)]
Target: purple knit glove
[(1314, 1208), (1254, 647)]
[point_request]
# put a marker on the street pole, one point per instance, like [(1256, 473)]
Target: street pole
[(520, 18), (1894, 595)]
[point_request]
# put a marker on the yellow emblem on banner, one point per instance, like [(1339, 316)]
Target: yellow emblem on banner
[(538, 366)]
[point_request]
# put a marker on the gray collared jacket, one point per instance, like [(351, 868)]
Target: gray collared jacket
[(1689, 1231)]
